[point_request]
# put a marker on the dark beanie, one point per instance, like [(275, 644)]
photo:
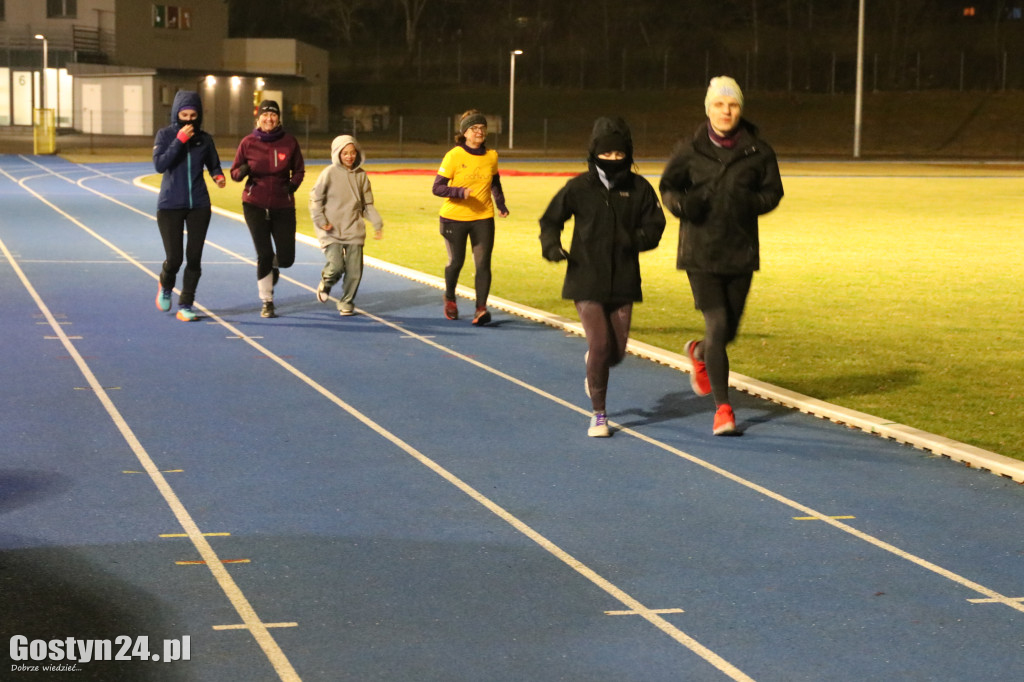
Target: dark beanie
[(612, 141), (268, 105)]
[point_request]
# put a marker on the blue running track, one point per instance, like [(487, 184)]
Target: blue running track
[(395, 496)]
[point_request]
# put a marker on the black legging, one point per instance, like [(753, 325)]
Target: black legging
[(172, 224), (272, 230), (721, 299), (607, 328), (481, 236)]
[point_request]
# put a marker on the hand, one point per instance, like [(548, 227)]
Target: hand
[(185, 133), (242, 171), (327, 228), (378, 234), (696, 204), (220, 182), (291, 188), (503, 214), (555, 253)]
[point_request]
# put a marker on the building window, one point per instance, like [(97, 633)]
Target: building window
[(61, 9)]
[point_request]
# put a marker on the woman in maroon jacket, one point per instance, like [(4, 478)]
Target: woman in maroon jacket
[(273, 162)]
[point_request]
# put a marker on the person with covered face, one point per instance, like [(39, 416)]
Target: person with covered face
[(340, 203), (181, 152), (717, 184), (271, 163), (468, 181), (616, 216)]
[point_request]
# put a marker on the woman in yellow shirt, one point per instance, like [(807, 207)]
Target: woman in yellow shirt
[(469, 182)]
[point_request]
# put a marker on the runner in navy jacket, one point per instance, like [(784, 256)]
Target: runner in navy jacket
[(271, 160), (181, 151)]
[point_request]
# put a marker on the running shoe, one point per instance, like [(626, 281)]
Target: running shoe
[(323, 292), (451, 309), (482, 317), (268, 309), (725, 421), (346, 309), (186, 314), (598, 426), (163, 298), (699, 381)]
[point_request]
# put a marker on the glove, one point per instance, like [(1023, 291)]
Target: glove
[(555, 253), (184, 135), (696, 204), (291, 188), (243, 170)]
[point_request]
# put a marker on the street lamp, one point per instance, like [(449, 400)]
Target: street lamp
[(859, 97), (512, 95), (40, 36)]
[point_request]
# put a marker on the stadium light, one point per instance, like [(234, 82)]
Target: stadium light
[(512, 95), (46, 55)]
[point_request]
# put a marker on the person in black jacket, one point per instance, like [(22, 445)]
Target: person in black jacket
[(617, 215), (717, 184), (181, 151)]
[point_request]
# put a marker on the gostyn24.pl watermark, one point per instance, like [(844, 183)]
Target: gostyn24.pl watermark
[(36, 655)]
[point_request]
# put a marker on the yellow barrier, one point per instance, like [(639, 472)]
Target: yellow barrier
[(44, 132)]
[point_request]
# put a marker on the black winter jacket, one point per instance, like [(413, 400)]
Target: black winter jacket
[(611, 228), (718, 201)]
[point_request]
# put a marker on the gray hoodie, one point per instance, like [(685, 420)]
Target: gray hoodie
[(342, 198)]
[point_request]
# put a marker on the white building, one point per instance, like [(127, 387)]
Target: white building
[(113, 67)]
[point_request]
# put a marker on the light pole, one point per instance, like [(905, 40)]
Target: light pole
[(512, 94), (40, 36), (859, 97)]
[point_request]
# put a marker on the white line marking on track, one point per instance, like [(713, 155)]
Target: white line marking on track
[(633, 604), (648, 614), (234, 594)]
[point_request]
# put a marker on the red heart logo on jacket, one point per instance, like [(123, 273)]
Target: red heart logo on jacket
[(281, 156)]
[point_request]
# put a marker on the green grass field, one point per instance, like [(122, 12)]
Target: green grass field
[(895, 290)]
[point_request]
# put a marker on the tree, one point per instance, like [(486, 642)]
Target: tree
[(337, 16), (413, 10)]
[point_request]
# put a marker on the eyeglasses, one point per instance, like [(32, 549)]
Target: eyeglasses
[(478, 129)]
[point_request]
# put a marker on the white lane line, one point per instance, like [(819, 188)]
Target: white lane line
[(627, 600), (918, 561), (234, 594)]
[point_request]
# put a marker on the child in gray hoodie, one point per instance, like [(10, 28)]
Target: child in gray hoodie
[(339, 203)]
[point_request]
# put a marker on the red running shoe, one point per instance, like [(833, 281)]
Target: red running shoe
[(725, 421), (482, 317), (699, 381), (451, 309)]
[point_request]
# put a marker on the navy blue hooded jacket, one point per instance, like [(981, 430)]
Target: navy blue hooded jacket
[(182, 163)]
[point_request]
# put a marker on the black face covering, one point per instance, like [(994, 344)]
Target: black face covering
[(615, 170), (179, 124)]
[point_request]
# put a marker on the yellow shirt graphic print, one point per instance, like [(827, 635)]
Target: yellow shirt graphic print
[(474, 172)]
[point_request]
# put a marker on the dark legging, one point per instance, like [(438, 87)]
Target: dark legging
[(481, 236), (172, 224), (721, 298), (272, 230), (607, 328)]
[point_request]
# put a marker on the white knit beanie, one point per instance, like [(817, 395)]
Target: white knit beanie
[(723, 86)]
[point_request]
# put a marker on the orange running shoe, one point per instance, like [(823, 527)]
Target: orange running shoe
[(725, 421), (699, 381)]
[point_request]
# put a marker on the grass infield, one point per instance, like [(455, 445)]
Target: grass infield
[(892, 289)]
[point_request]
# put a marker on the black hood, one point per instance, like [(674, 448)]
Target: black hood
[(609, 127)]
